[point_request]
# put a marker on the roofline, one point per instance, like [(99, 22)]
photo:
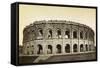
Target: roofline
[(57, 22)]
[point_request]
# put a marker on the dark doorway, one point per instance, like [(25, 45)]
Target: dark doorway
[(75, 34), (81, 35), (59, 33), (86, 47), (49, 49), (50, 34), (58, 48), (81, 48), (67, 48), (40, 49), (75, 48)]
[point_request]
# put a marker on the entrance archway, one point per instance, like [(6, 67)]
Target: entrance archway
[(75, 48), (86, 47), (81, 48), (58, 48), (67, 48), (40, 49), (49, 51)]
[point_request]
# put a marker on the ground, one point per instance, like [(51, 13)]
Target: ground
[(57, 58)]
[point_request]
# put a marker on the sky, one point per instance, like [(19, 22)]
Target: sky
[(30, 13)]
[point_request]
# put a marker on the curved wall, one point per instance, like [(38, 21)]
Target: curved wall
[(57, 37)]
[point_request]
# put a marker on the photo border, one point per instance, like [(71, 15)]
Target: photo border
[(46, 4)]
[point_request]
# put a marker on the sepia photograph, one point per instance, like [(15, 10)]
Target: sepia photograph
[(51, 33)]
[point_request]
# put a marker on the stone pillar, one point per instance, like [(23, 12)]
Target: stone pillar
[(63, 40), (54, 49), (35, 49), (84, 47), (44, 50), (78, 48), (71, 48), (63, 49)]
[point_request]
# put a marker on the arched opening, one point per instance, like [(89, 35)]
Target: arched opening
[(67, 48), (75, 48), (74, 34), (40, 32), (40, 49), (49, 49), (58, 48), (86, 47), (59, 33), (81, 48), (67, 34), (81, 35), (50, 33)]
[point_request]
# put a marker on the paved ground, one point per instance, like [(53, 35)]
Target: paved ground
[(26, 59), (72, 57), (56, 58)]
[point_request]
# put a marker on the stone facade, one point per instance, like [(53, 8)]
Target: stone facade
[(57, 37)]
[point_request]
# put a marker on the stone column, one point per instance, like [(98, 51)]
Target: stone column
[(78, 47), (35, 49), (84, 47), (54, 49), (44, 50), (63, 49), (63, 39), (71, 48)]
